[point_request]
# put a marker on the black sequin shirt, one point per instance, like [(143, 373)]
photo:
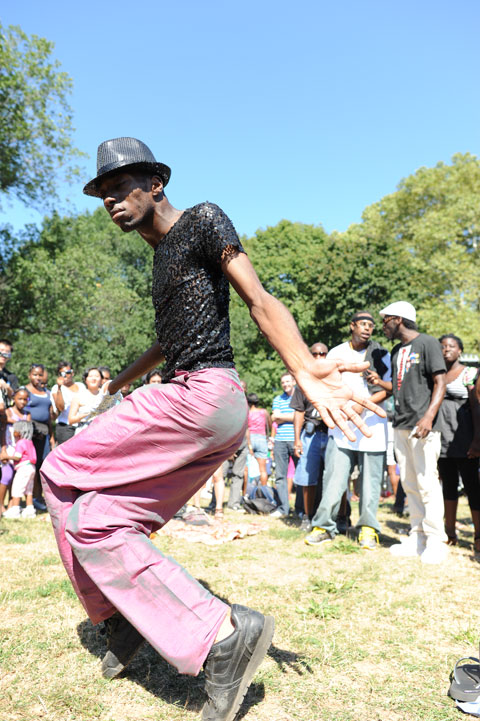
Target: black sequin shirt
[(190, 292)]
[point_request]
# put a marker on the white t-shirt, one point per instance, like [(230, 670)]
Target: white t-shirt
[(68, 396), (356, 381)]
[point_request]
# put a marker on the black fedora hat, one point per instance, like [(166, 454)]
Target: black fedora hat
[(123, 153)]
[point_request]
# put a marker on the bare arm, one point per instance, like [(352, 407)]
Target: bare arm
[(73, 414), (58, 397), (424, 425), (474, 397), (148, 360), (298, 418), (320, 380)]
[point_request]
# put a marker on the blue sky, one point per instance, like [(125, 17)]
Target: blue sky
[(302, 110)]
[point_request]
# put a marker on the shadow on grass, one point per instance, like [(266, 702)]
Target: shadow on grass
[(156, 676)]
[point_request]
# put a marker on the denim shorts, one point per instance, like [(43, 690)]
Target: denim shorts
[(311, 462), (259, 444)]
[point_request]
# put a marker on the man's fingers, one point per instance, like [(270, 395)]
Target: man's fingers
[(325, 415), (357, 420), (341, 421), (352, 367), (367, 403)]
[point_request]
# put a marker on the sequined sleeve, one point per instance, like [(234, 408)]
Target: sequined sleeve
[(219, 238)]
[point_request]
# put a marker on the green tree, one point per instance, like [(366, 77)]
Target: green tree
[(78, 289), (433, 222), (35, 117)]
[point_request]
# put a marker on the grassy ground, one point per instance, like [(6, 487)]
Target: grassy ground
[(359, 636)]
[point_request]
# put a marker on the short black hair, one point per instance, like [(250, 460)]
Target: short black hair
[(252, 399), (153, 372), (102, 368), (5, 341), (62, 364), (410, 324), (457, 340)]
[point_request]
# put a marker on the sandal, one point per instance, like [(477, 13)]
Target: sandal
[(219, 514), (452, 541)]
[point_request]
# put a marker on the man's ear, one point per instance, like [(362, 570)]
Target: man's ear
[(157, 186)]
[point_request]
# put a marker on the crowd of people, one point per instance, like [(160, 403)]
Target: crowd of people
[(430, 440), (35, 418)]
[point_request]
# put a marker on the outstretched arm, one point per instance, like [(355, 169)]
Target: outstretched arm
[(148, 360), (320, 380)]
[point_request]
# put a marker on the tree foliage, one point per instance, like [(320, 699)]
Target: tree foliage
[(80, 289), (35, 117)]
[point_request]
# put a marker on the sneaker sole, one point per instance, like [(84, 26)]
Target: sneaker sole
[(318, 543), (116, 667), (263, 644)]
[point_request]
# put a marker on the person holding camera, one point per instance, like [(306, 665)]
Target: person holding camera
[(63, 393), (311, 436), (368, 453)]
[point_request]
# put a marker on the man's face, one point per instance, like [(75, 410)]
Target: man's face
[(127, 200), (390, 326), (287, 384), (362, 330), (67, 375), (5, 354), (106, 377), (319, 350)]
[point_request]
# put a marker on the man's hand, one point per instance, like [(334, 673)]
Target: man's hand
[(474, 450), (322, 384), (424, 426), (298, 449)]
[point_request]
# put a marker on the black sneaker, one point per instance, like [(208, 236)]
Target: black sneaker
[(231, 663), (123, 642)]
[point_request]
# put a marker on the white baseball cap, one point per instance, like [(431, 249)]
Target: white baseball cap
[(402, 309)]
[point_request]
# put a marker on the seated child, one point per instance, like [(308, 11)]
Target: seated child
[(24, 458)]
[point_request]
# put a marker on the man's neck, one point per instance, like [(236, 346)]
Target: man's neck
[(359, 344), (406, 335), (162, 220)]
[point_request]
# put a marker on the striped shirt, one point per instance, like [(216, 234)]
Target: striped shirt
[(285, 430)]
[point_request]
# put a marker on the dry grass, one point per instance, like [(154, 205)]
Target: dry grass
[(359, 636)]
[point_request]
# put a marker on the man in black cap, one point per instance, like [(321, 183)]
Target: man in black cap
[(124, 477)]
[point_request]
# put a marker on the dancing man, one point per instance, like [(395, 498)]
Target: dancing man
[(126, 475)]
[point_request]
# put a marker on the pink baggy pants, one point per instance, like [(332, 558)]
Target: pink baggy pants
[(124, 477)]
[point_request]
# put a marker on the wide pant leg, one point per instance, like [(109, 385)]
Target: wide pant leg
[(339, 464), (417, 459), (372, 467), (125, 476)]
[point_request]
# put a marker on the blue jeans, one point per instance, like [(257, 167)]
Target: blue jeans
[(339, 463), (282, 452), (310, 464)]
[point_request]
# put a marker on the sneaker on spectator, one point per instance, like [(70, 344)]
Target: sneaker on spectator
[(12, 512), (29, 512), (368, 538), (277, 514), (306, 524), (435, 551), (413, 545), (318, 537)]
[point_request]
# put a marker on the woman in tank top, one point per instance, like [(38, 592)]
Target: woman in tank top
[(456, 425)]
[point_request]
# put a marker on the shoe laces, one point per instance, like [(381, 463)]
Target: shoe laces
[(367, 533)]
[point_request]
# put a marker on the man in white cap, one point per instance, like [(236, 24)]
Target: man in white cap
[(418, 377)]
